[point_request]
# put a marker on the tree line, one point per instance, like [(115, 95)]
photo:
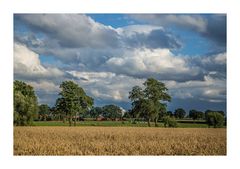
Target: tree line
[(73, 104)]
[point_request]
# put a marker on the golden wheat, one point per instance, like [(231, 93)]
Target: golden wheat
[(118, 141)]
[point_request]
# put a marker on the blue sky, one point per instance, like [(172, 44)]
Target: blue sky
[(108, 54), (114, 20)]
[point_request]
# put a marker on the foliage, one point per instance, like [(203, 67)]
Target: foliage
[(73, 100), (43, 112), (169, 121), (179, 113), (128, 114), (219, 111), (215, 119), (194, 114), (95, 112), (148, 102), (25, 104), (111, 111), (55, 114), (169, 113)]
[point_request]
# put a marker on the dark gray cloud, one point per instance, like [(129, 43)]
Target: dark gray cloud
[(157, 38), (29, 40), (190, 21), (213, 63), (211, 26), (217, 29)]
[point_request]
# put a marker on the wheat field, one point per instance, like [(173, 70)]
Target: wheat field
[(118, 141)]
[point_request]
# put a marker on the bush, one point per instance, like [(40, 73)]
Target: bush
[(134, 122), (169, 121), (215, 119)]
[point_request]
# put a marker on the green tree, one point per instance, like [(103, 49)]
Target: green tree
[(73, 100), (95, 112), (55, 114), (221, 112), (148, 102), (61, 108), (25, 104), (215, 119), (43, 112), (169, 121), (128, 114), (179, 113), (208, 111), (111, 111), (194, 114), (200, 115), (169, 113)]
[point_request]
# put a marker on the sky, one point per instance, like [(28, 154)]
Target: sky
[(108, 54)]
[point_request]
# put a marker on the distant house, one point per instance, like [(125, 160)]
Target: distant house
[(100, 118)]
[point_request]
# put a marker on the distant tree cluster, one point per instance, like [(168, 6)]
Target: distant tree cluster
[(195, 115), (111, 112), (220, 112), (73, 104), (180, 113)]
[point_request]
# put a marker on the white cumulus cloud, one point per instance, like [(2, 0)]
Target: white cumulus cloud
[(45, 86), (27, 64), (144, 62)]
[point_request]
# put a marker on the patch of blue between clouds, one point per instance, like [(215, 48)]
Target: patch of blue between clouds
[(194, 44), (114, 20)]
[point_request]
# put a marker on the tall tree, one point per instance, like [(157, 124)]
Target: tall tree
[(156, 91), (137, 98), (25, 103), (150, 102), (73, 100)]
